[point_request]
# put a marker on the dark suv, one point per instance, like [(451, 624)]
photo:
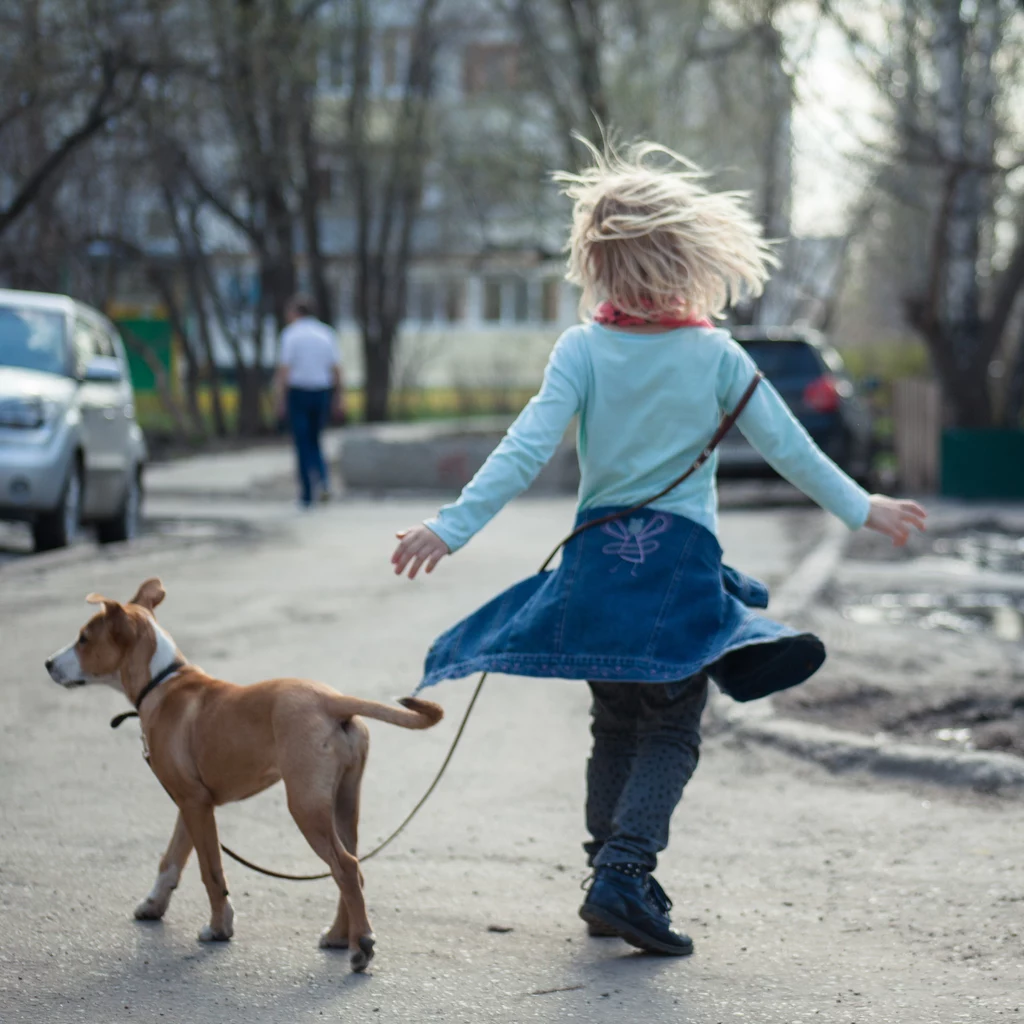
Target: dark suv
[(812, 380)]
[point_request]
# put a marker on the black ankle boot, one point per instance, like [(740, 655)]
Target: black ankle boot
[(628, 900)]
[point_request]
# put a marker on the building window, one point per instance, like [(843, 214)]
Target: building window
[(436, 300), (323, 180), (334, 72), (455, 301), (492, 299), (394, 57), (490, 67), (551, 293), (520, 300), (420, 305), (507, 300), (343, 284)]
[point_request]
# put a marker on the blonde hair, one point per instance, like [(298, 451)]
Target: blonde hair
[(652, 240)]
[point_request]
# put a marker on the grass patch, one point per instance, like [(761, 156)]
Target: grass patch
[(888, 361), (406, 406)]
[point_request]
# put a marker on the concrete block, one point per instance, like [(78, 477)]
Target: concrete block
[(441, 457)]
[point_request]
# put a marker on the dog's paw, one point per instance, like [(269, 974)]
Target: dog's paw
[(150, 909), (224, 930), (329, 940), (361, 958)]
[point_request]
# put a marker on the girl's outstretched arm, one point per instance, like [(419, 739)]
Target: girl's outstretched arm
[(770, 426), (510, 468)]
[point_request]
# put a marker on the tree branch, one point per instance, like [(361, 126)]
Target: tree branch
[(97, 117)]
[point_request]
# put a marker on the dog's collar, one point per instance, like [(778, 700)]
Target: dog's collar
[(175, 666)]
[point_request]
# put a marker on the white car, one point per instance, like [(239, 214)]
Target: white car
[(71, 451)]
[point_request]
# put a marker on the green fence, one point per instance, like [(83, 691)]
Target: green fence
[(983, 463)]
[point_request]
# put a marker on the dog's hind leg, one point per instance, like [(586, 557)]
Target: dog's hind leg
[(202, 827), (154, 906), (346, 821), (315, 819)]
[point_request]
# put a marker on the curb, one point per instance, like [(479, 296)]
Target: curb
[(840, 750)]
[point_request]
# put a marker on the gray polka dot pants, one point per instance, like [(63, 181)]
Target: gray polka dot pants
[(646, 746)]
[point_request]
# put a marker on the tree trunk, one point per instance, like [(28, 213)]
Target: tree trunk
[(163, 384), (377, 356), (1013, 406), (956, 295), (250, 398), (311, 214), (190, 250), (165, 287), (777, 160), (969, 398)]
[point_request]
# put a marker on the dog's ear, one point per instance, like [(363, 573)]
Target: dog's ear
[(149, 594), (121, 627)]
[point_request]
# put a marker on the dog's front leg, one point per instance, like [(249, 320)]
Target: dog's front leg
[(203, 829), (154, 906)]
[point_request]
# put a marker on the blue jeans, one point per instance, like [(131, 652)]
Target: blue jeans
[(646, 746), (308, 413)]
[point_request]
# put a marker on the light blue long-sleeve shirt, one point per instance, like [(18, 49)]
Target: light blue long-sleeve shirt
[(647, 405)]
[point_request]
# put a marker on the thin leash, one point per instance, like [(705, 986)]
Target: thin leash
[(728, 422)]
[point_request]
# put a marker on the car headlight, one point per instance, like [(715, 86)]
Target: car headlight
[(28, 413)]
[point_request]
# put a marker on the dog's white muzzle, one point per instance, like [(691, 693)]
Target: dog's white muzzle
[(65, 668)]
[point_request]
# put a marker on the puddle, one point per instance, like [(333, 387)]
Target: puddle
[(986, 546), (190, 531), (185, 529), (990, 549), (989, 723), (993, 614)]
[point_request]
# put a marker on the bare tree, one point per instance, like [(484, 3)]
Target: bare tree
[(387, 182), (953, 148), (241, 148)]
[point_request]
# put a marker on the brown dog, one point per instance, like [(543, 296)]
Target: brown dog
[(212, 742)]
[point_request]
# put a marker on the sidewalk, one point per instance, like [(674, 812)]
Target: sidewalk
[(266, 471)]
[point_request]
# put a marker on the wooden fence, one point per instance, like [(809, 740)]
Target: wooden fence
[(917, 425)]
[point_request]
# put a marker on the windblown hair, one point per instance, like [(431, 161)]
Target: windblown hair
[(649, 238)]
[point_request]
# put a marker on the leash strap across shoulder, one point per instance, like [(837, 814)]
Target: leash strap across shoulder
[(727, 423)]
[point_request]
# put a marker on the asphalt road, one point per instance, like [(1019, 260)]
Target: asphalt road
[(810, 897)]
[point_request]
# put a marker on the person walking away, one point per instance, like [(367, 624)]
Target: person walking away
[(641, 605), (309, 387)]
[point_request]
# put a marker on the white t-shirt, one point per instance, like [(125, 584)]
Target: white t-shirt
[(309, 349)]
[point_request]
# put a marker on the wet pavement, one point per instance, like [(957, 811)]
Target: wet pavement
[(926, 643), (1000, 615)]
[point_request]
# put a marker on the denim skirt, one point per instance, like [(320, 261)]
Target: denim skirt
[(645, 599)]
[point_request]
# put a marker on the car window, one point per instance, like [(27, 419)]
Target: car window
[(33, 339), (104, 342), (784, 359), (90, 341)]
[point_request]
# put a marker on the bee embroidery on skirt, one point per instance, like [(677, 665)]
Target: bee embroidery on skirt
[(634, 539)]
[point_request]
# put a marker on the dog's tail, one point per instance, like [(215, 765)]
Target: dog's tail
[(414, 713)]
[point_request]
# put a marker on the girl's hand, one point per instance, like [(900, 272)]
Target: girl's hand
[(418, 546), (894, 518)]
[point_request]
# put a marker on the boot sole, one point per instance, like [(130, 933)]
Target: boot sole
[(602, 918)]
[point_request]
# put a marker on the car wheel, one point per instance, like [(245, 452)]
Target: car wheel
[(59, 528), (125, 524)]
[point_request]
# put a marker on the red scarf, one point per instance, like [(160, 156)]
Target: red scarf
[(607, 314)]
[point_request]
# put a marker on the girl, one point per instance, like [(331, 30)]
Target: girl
[(641, 605)]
